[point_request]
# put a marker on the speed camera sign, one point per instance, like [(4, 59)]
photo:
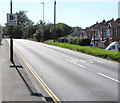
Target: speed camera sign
[(11, 19)]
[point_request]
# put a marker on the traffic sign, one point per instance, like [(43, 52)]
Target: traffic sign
[(11, 19)]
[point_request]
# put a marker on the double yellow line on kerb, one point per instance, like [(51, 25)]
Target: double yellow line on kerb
[(47, 89)]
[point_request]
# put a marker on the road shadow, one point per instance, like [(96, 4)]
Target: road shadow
[(27, 82), (24, 77), (1, 44)]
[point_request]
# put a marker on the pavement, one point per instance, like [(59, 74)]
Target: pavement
[(15, 84)]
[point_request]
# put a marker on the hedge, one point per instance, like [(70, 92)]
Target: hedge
[(75, 40)]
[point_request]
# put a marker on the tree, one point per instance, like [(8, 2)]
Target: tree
[(28, 31), (39, 35), (62, 29), (24, 27), (76, 29), (17, 32), (48, 31), (22, 18), (7, 31)]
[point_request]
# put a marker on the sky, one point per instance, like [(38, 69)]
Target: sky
[(82, 13)]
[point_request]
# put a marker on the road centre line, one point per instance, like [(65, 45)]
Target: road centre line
[(90, 61), (95, 72), (70, 61), (75, 63), (57, 55), (47, 89), (108, 77)]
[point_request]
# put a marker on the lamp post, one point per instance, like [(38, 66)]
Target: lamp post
[(43, 10), (54, 19), (11, 39), (54, 13)]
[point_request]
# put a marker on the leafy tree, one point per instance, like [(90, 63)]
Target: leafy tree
[(64, 29), (28, 31), (48, 31), (22, 18), (7, 31), (17, 32), (37, 35), (76, 28)]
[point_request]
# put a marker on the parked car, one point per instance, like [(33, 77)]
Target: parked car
[(114, 46)]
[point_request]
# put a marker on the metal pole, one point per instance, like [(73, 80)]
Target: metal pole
[(54, 13), (54, 17), (11, 39), (11, 6), (43, 10)]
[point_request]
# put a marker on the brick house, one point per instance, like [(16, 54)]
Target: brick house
[(101, 34), (98, 32), (113, 30), (104, 33)]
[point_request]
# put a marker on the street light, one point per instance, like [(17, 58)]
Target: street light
[(54, 13), (43, 10), (11, 6), (54, 19)]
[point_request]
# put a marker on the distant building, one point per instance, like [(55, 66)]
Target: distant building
[(104, 33), (101, 34)]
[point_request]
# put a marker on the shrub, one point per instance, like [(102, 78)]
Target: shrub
[(75, 40)]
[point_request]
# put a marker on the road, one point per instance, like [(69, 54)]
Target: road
[(70, 75)]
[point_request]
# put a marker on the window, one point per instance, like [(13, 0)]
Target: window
[(113, 47)]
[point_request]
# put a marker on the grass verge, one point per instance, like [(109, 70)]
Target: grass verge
[(112, 55)]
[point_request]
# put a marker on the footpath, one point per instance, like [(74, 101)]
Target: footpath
[(15, 85)]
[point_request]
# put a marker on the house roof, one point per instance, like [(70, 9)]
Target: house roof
[(114, 23), (74, 33)]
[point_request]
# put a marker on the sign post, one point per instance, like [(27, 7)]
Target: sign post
[(11, 21), (11, 40)]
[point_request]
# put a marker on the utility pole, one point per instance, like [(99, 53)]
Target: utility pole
[(11, 38), (54, 17), (54, 13), (43, 10)]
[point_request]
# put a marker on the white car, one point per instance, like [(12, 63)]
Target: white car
[(114, 46)]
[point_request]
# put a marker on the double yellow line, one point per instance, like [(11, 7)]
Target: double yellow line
[(47, 89)]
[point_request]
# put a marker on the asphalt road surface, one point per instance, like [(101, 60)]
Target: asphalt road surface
[(72, 76)]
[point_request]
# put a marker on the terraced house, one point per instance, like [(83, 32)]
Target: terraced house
[(103, 33)]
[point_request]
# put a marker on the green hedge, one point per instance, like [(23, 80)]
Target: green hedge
[(112, 55), (75, 40)]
